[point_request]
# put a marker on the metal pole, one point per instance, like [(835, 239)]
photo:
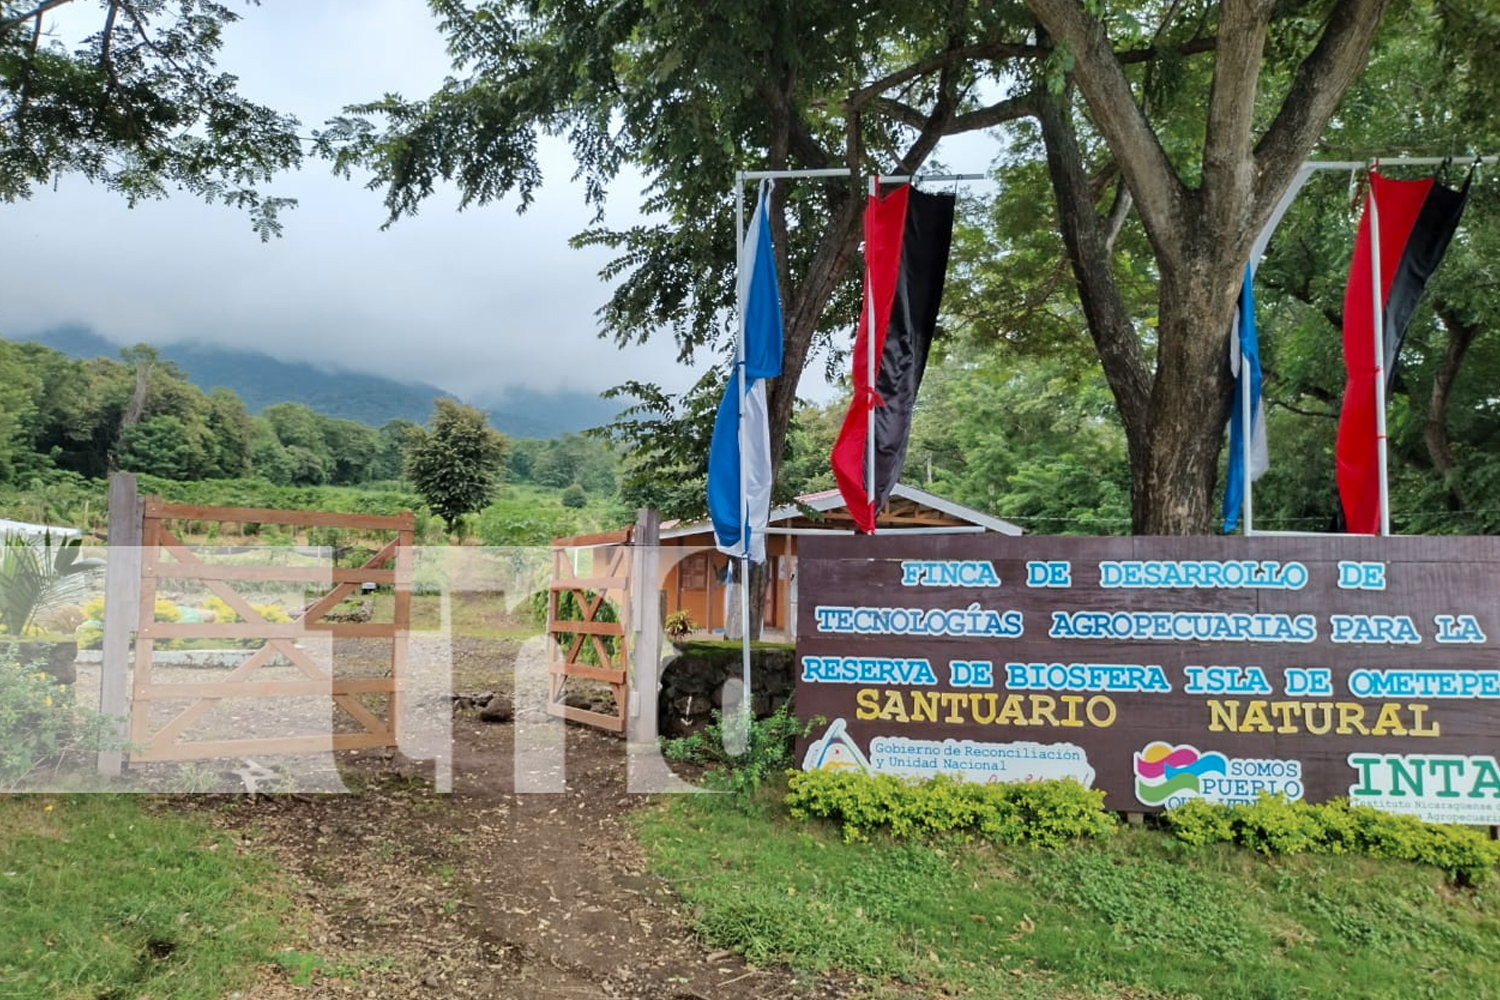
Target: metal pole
[(870, 366), (778, 175), (1246, 415), (740, 303), (1379, 331), (741, 278)]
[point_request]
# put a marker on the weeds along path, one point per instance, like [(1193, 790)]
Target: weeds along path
[(484, 893)]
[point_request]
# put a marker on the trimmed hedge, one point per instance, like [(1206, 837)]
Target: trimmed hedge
[(1275, 826), (1042, 813)]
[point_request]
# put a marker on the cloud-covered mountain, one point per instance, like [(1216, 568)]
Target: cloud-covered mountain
[(261, 380)]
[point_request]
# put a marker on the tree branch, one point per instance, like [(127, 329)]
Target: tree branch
[(24, 98), (1191, 47), (1118, 213), (1321, 80), (996, 114), (943, 60), (1108, 321), (1461, 336), (12, 22), (107, 63), (1159, 195), (1228, 168), (996, 50)]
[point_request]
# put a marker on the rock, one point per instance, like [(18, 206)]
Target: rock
[(60, 656), (497, 709)]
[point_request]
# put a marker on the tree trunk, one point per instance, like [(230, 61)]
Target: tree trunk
[(1201, 236), (1088, 244), (1435, 434), (1190, 400), (734, 615)]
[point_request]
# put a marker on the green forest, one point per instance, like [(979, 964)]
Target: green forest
[(66, 424)]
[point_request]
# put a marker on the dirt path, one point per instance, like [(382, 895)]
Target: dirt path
[(484, 893)]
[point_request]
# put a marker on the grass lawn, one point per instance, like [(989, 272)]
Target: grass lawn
[(1141, 915), (102, 897)]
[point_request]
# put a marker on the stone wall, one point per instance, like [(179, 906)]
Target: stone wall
[(693, 679)]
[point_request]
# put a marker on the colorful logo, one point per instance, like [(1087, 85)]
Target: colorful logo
[(1164, 771), (835, 751)]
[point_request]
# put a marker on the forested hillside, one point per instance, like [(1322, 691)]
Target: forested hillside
[(66, 423), (262, 381)]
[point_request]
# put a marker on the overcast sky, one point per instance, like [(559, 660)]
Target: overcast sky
[(471, 302)]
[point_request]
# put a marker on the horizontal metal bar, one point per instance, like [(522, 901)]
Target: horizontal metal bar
[(776, 175), (954, 529), (1396, 161), (936, 178)]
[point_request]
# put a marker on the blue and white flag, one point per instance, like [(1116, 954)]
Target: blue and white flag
[(740, 506), (1244, 361)]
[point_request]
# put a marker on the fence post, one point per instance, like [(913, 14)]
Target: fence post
[(122, 596), (645, 622)]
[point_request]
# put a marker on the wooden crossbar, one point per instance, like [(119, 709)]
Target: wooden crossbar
[(605, 584), (166, 557)]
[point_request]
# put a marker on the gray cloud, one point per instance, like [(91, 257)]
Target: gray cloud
[(472, 302)]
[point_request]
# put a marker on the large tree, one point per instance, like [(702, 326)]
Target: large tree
[(690, 94), (137, 105), (456, 464), (1201, 211)]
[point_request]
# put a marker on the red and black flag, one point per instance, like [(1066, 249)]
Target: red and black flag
[(1416, 220), (907, 237)]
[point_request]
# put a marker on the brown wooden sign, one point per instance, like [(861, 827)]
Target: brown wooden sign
[(1162, 669)]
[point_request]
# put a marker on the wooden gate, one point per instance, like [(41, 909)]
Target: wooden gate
[(580, 629), (352, 724)]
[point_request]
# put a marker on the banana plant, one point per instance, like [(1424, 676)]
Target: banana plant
[(37, 576)]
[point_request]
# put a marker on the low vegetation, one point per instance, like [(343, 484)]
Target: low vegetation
[(1035, 891), (105, 896), (933, 910)]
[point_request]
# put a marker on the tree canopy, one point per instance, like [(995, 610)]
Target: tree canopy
[(1179, 122), (138, 105), (455, 465)]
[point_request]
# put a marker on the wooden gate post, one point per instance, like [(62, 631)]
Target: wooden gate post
[(646, 624), (122, 589)]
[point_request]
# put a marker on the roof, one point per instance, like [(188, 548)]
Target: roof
[(909, 510), (35, 530)]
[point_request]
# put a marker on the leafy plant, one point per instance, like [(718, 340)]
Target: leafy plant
[(40, 724), (39, 576), (679, 624), (1042, 813), (768, 750), (1276, 826), (569, 610)]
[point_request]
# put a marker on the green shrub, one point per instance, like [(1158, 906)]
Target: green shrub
[(39, 723), (569, 610), (1275, 826), (1199, 822), (769, 750), (1041, 813)]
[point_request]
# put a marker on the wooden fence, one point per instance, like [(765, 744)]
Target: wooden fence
[(156, 734), (581, 629)]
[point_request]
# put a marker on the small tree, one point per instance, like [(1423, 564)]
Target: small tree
[(455, 466)]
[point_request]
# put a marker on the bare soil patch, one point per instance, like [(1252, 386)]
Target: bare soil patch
[(483, 892)]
